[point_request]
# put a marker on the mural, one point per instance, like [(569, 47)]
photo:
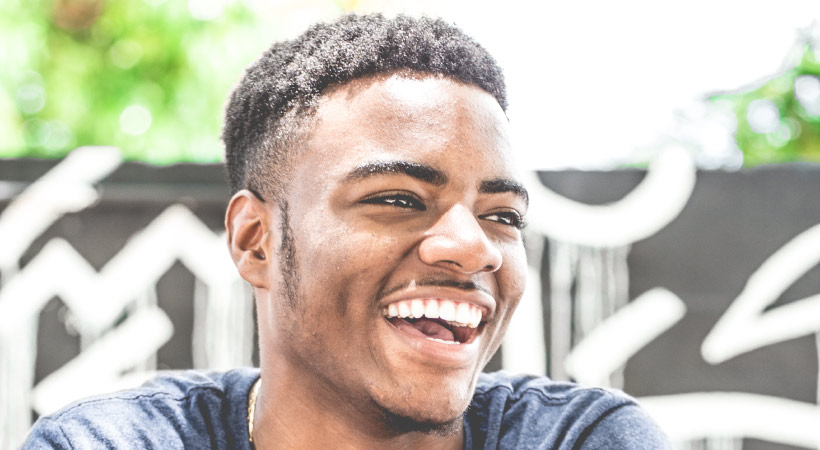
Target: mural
[(114, 311), (697, 292), (702, 301)]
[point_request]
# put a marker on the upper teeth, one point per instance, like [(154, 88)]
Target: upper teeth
[(456, 313)]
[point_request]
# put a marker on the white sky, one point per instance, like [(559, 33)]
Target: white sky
[(592, 82)]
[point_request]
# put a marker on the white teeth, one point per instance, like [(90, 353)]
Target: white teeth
[(447, 310), (475, 318), (457, 313), (463, 315), (431, 309), (404, 309), (417, 308), (443, 341)]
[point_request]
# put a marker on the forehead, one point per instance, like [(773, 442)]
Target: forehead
[(410, 116)]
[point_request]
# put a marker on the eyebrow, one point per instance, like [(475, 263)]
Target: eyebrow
[(418, 171), (432, 176), (502, 185)]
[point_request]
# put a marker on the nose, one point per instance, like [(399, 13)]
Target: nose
[(458, 242)]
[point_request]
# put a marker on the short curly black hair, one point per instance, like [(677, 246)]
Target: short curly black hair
[(266, 115)]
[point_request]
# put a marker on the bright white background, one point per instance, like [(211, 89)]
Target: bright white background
[(597, 83), (593, 83)]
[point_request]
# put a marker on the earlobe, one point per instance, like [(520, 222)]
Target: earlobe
[(247, 224)]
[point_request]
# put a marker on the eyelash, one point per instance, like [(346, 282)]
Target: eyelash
[(398, 200), (402, 200), (510, 218)]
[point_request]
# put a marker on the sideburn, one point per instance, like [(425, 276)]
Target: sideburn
[(287, 259)]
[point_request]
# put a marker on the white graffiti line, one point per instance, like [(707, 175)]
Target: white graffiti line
[(65, 188), (175, 234), (57, 270), (97, 369), (700, 415), (620, 336), (745, 327), (562, 272), (524, 350), (223, 335), (98, 299), (653, 204)]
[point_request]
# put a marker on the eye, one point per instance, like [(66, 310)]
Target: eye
[(397, 199), (508, 217)]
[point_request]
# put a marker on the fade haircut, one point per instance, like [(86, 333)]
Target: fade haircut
[(268, 111)]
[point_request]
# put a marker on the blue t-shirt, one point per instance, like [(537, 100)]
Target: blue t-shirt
[(209, 410)]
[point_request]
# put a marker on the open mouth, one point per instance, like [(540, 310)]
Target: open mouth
[(443, 321)]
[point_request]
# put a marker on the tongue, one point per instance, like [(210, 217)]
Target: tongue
[(425, 328)]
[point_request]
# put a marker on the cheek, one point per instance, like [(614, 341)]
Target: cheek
[(350, 251), (513, 278), (369, 263), (347, 268)]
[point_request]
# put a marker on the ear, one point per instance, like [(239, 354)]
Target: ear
[(247, 221)]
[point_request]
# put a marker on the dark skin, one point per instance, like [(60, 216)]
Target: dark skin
[(403, 190)]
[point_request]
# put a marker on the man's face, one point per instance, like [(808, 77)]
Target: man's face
[(404, 217)]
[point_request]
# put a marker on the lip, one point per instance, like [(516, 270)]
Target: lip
[(480, 299), (437, 353)]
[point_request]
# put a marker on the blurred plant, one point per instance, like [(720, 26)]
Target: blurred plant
[(779, 120), (148, 76)]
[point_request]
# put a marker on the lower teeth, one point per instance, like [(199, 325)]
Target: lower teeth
[(443, 341)]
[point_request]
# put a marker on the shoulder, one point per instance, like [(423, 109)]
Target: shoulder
[(543, 391), (172, 410), (513, 411)]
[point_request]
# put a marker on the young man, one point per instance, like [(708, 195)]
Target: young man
[(377, 216)]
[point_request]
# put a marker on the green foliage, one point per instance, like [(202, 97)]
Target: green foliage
[(148, 77), (141, 75), (778, 121)]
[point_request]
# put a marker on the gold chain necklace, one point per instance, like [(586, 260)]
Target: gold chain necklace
[(252, 408)]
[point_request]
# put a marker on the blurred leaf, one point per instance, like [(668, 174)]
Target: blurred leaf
[(795, 136), (72, 69)]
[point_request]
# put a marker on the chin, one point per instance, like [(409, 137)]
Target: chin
[(438, 412), (402, 422), (401, 425)]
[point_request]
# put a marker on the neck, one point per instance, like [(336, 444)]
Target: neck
[(302, 412)]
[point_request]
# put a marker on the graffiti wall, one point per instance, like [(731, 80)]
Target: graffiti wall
[(697, 292), (111, 272)]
